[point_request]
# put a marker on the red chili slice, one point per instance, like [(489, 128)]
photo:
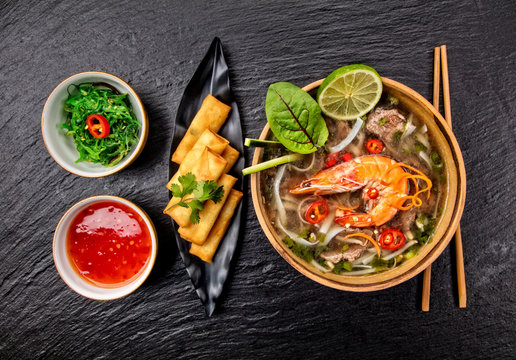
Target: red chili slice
[(317, 211), (374, 146), (347, 157), (98, 126), (372, 193), (391, 239), (331, 159)]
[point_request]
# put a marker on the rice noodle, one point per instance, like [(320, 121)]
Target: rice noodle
[(353, 241), (319, 267), (400, 251), (359, 272), (332, 233), (305, 169), (279, 204), (295, 237), (362, 266), (409, 127), (353, 133), (423, 155), (423, 140), (365, 259), (325, 226)]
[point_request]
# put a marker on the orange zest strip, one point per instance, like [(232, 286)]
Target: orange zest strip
[(416, 201), (393, 166), (367, 237)]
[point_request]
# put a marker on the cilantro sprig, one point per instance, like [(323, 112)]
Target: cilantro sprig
[(201, 191)]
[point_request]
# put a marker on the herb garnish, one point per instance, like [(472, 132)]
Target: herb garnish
[(342, 266), (397, 136), (418, 146), (301, 251), (201, 191), (382, 121), (424, 228), (295, 118)]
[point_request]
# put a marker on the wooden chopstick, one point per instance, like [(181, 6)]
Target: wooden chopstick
[(459, 255), (427, 275)]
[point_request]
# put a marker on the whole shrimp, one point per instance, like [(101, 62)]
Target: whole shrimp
[(385, 185)]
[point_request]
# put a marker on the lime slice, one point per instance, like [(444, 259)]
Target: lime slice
[(350, 92)]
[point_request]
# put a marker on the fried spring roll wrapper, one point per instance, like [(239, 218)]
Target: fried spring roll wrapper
[(211, 115), (208, 249), (209, 139), (231, 155), (210, 166), (198, 233)]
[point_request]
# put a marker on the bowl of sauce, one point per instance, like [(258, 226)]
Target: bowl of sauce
[(104, 247)]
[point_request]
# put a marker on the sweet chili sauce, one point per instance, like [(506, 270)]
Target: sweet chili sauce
[(109, 244)]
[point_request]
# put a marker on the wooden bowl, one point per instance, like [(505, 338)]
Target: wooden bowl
[(454, 203)]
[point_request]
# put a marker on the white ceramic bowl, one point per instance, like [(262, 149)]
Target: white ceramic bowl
[(62, 147), (70, 275)]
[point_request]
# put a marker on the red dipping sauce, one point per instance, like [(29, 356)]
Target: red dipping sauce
[(109, 244)]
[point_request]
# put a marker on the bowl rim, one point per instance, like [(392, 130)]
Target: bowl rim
[(139, 146), (138, 280), (421, 264)]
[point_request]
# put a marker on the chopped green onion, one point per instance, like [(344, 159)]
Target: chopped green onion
[(347, 266), (419, 147), (436, 159), (272, 163), (394, 101), (260, 143), (397, 136), (382, 121)]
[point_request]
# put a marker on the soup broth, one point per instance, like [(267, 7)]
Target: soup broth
[(364, 207)]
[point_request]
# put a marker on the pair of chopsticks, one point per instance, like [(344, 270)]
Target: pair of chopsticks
[(441, 60)]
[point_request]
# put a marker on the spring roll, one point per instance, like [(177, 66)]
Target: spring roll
[(231, 155), (209, 139), (208, 249), (210, 166), (211, 115), (198, 233)]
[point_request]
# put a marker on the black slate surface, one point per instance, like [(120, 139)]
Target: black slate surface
[(268, 309)]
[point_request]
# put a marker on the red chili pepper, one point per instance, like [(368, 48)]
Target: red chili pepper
[(331, 159), (347, 157), (391, 239), (98, 126), (317, 211), (372, 193), (374, 146)]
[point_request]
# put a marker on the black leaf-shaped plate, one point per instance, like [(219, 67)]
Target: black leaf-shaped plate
[(211, 77)]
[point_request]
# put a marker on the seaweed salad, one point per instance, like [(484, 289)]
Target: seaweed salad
[(102, 123)]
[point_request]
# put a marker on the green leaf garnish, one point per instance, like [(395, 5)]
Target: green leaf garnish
[(295, 118), (201, 190), (188, 183)]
